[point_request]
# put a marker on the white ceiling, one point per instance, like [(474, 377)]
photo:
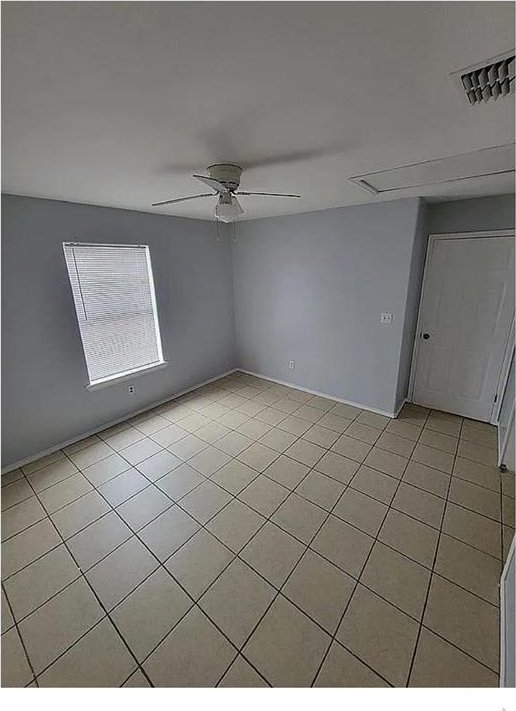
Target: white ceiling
[(118, 103)]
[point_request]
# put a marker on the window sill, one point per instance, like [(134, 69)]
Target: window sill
[(99, 384)]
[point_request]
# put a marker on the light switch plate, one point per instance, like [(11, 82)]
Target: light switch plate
[(385, 318)]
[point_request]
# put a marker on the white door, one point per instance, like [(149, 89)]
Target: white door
[(466, 311)]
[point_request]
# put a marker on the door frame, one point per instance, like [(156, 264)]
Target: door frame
[(432, 239), (502, 445), (510, 352)]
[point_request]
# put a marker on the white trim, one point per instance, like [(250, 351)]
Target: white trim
[(75, 280), (106, 244), (320, 394), (415, 350), (152, 289), (129, 375), (504, 576), (472, 235), (432, 238), (502, 445), (500, 391), (112, 423)]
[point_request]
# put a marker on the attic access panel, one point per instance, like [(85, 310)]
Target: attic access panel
[(497, 160)]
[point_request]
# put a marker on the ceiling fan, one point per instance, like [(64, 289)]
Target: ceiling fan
[(224, 179)]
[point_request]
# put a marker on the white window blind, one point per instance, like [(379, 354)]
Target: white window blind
[(113, 291)]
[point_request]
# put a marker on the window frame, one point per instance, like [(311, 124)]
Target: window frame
[(100, 383)]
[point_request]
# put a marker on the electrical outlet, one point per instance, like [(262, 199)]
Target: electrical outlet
[(291, 364), (385, 318), (131, 389)]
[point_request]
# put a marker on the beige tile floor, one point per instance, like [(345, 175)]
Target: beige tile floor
[(250, 534)]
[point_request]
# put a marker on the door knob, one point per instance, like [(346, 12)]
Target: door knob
[(426, 336)]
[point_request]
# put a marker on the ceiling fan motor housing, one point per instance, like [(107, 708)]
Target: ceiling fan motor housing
[(227, 174)]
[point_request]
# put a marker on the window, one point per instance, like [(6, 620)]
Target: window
[(113, 291)]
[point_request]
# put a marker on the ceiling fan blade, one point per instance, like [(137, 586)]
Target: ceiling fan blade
[(288, 195), (190, 197), (215, 150), (211, 183), (330, 150)]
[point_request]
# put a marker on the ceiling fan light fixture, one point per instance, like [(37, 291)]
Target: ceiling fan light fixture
[(228, 208), (224, 180)]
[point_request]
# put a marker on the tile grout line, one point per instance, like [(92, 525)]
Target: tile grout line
[(402, 553), (211, 387), (331, 562), (436, 553), (175, 501), (114, 509), (209, 477), (434, 572), (162, 564), (279, 590), (65, 456), (358, 582), (213, 444), (237, 555), (102, 606), (430, 578), (427, 416), (147, 415), (310, 469), (22, 642)]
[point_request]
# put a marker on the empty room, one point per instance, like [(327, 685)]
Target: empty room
[(258, 347)]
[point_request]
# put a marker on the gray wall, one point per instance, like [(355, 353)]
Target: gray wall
[(474, 215), (44, 401), (308, 288), (311, 287)]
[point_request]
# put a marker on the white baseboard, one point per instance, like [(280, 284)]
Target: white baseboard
[(112, 423), (328, 395)]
